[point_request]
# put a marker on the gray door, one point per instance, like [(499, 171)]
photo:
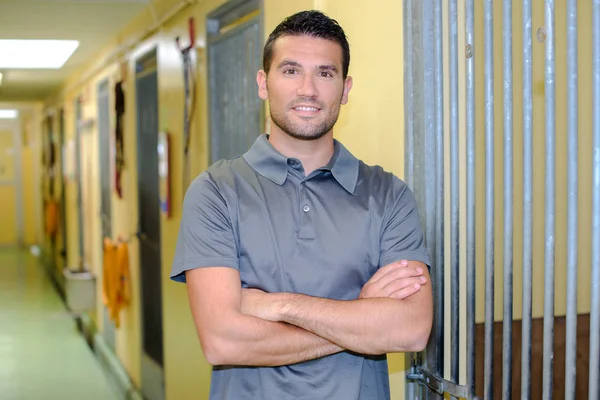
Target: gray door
[(80, 216), (236, 112), (63, 212), (149, 226), (105, 201)]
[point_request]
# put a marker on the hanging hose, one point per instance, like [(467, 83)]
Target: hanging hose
[(190, 99)]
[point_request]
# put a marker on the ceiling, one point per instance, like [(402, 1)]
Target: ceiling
[(92, 22)]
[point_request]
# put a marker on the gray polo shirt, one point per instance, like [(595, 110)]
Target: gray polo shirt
[(321, 235)]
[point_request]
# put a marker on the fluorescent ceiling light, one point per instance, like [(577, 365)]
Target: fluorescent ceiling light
[(32, 54), (8, 114)]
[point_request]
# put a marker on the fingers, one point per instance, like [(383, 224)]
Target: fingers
[(396, 273), (383, 271), (406, 292), (399, 284)]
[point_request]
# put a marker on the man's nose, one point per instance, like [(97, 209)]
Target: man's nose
[(308, 88)]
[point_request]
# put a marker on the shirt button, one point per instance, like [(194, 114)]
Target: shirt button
[(306, 208)]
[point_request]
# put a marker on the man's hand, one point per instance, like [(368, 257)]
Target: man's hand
[(258, 304), (396, 280)]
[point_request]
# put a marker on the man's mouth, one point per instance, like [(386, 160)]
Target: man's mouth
[(306, 108)]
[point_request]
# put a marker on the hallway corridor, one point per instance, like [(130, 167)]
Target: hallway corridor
[(42, 354)]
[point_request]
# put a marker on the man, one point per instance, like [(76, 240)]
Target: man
[(295, 253)]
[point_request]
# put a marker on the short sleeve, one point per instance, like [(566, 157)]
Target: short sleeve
[(402, 237), (206, 237)]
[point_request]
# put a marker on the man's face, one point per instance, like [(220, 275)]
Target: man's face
[(305, 86)]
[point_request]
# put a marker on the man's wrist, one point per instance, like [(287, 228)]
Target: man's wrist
[(282, 305)]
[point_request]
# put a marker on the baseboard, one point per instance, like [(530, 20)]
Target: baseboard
[(108, 359)]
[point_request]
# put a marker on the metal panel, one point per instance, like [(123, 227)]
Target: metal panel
[(550, 118), (572, 110), (235, 109), (424, 188)]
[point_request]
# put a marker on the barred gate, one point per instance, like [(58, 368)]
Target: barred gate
[(442, 110)]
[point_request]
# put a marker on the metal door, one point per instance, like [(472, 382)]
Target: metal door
[(80, 215), (103, 99), (234, 57), (438, 123), (149, 226), (63, 207)]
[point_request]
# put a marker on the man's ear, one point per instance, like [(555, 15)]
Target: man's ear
[(347, 86), (261, 80)]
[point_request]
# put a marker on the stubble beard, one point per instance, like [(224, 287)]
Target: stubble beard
[(305, 131)]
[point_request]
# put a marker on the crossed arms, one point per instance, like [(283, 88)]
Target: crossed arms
[(236, 326)]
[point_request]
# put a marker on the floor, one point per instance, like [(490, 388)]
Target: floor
[(42, 354)]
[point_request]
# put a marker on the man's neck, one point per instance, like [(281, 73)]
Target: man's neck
[(312, 153)]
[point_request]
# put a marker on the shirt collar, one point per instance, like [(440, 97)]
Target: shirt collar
[(273, 165)]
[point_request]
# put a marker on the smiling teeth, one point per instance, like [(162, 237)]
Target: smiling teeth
[(306, 108)]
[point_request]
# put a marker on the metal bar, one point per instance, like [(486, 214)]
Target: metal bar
[(454, 190), (470, 127), (550, 118), (439, 163), (409, 157), (527, 200), (508, 201), (595, 289), (572, 110), (408, 96), (425, 144), (488, 8)]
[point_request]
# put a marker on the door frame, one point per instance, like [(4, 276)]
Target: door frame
[(14, 125)]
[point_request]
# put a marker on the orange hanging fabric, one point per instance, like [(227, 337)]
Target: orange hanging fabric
[(110, 259), (122, 281), (116, 279), (51, 216)]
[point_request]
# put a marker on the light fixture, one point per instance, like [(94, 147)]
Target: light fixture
[(33, 54), (0, 78), (8, 114)]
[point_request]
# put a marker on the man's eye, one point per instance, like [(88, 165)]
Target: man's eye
[(290, 71), (326, 74)]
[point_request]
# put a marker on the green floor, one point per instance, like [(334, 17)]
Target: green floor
[(42, 354)]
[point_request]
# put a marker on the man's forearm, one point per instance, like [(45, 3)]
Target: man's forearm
[(252, 341), (369, 326)]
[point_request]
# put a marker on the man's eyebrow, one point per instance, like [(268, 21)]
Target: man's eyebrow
[(328, 68), (288, 63)]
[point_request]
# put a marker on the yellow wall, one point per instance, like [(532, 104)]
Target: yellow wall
[(370, 125)]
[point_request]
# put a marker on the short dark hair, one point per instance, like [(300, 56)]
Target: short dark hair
[(312, 23)]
